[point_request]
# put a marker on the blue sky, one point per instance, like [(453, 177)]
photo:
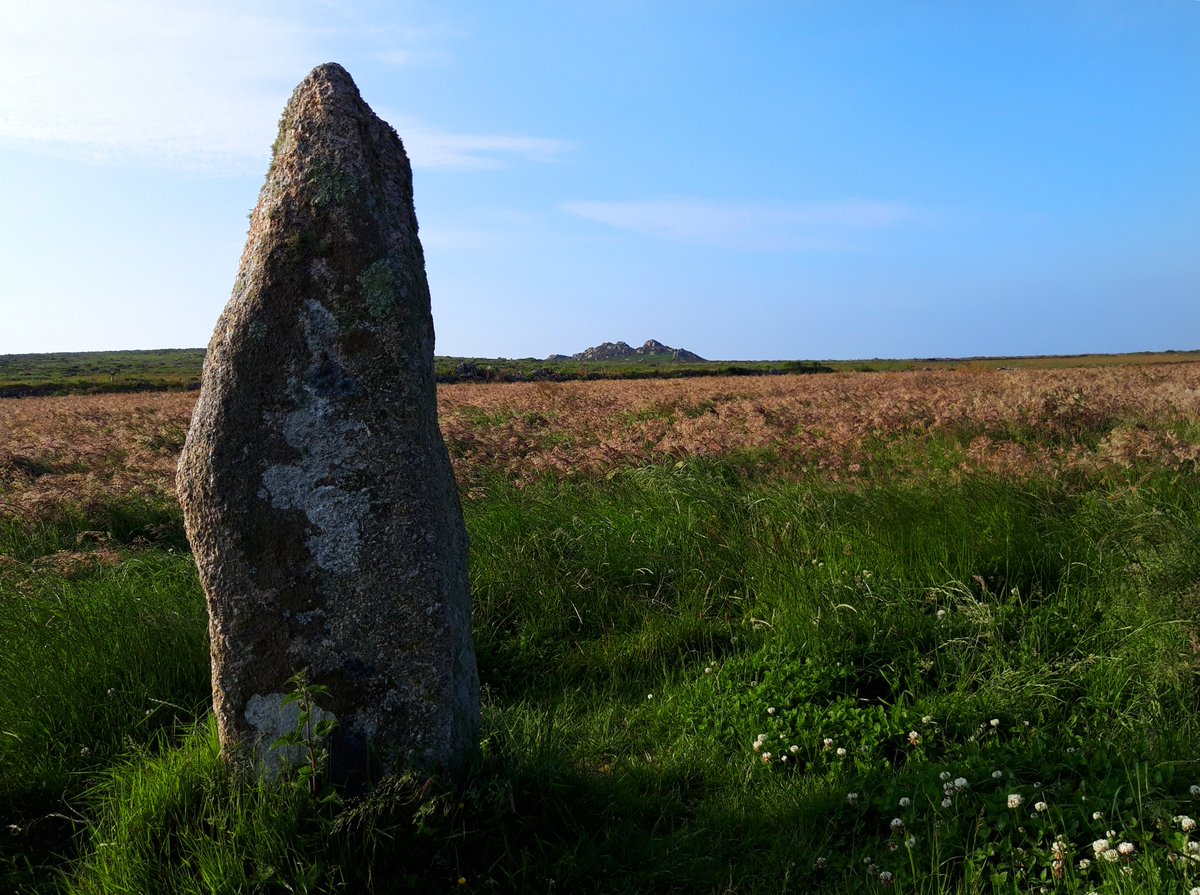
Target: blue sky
[(835, 179)]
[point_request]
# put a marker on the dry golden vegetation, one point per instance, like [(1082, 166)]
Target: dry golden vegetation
[(58, 453)]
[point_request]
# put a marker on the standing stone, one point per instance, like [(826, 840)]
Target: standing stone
[(316, 488)]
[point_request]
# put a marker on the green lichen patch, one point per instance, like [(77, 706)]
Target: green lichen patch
[(331, 183), (381, 287)]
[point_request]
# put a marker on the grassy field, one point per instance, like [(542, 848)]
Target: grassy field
[(99, 371), (94, 372), (913, 632)]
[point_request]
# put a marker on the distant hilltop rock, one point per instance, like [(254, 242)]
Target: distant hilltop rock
[(623, 351)]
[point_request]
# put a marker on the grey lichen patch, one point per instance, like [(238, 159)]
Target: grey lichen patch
[(382, 287), (272, 718), (328, 443), (331, 183), (334, 513)]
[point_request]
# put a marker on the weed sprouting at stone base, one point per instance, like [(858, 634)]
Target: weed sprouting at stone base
[(310, 737)]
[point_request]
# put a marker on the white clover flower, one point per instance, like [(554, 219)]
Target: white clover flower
[(708, 669), (852, 798), (892, 846), (947, 802), (793, 749), (1186, 823), (841, 753), (1015, 799), (1193, 848), (926, 719), (910, 841), (757, 746), (1041, 807), (1097, 815), (771, 710), (905, 802), (914, 738), (649, 695), (941, 613), (1111, 855), (960, 783), (944, 775), (821, 863), (1194, 890), (885, 877), (996, 775), (827, 743), (766, 757), (783, 758), (1085, 864), (1126, 848), (1100, 846), (1194, 789), (995, 722), (897, 823)]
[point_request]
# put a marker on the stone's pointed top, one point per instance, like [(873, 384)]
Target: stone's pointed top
[(332, 73), (326, 94)]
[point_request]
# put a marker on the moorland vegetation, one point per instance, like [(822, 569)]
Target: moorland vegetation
[(915, 632), (178, 369)]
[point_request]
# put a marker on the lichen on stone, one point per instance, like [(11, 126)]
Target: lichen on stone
[(381, 285), (331, 183), (327, 443)]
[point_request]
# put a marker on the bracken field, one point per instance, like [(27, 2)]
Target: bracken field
[(915, 632), (79, 450)]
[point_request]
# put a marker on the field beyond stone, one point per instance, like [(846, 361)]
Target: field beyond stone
[(921, 632)]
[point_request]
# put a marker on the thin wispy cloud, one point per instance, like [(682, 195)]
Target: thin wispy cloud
[(199, 86), (188, 85), (431, 147), (799, 226)]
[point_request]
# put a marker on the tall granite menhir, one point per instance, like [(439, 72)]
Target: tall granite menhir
[(316, 488)]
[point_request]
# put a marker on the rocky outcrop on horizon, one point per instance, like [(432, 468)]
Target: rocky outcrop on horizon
[(624, 351)]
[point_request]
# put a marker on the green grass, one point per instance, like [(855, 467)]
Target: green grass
[(637, 638), (99, 371)]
